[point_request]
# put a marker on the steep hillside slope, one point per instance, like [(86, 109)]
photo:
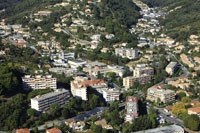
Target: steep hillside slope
[(183, 18), (8, 3)]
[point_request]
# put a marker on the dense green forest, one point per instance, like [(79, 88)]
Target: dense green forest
[(8, 3), (183, 22), (117, 16), (18, 13), (158, 3), (183, 17)]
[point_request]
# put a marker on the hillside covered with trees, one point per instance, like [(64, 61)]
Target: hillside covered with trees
[(183, 17), (8, 3)]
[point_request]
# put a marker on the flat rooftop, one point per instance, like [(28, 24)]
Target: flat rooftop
[(166, 129), (51, 94)]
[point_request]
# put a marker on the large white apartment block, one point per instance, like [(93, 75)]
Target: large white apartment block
[(126, 53), (78, 89), (156, 93), (129, 81), (131, 109), (142, 69), (171, 68), (43, 102), (111, 94), (39, 82)]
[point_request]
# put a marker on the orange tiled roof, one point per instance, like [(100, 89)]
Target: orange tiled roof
[(20, 44), (195, 102), (195, 109), (54, 130), (92, 82), (25, 130)]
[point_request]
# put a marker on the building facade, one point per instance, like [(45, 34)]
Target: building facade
[(131, 109), (43, 102), (142, 70), (111, 95), (126, 53), (38, 82), (78, 89), (158, 94), (171, 68), (129, 81)]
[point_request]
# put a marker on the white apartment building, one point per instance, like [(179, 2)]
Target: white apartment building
[(129, 81), (111, 94), (76, 63), (80, 84), (142, 69), (39, 82), (171, 68), (126, 53), (131, 109), (78, 89), (43, 102), (157, 92)]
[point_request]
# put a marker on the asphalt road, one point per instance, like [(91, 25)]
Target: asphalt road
[(98, 110), (169, 119)]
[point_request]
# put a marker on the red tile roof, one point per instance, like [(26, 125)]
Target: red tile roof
[(92, 82), (131, 99), (25, 130), (54, 130), (195, 109)]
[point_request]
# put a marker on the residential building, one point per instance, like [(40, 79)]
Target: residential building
[(159, 94), (97, 84), (141, 69), (165, 129), (104, 124), (194, 110), (42, 13), (25, 130), (76, 63), (75, 125), (126, 53), (39, 82), (129, 81), (80, 84), (78, 89), (103, 70), (53, 130), (171, 68), (43, 102), (131, 109), (111, 94), (63, 70)]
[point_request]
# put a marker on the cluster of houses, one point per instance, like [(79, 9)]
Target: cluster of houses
[(67, 64), (52, 130), (149, 22), (15, 34)]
